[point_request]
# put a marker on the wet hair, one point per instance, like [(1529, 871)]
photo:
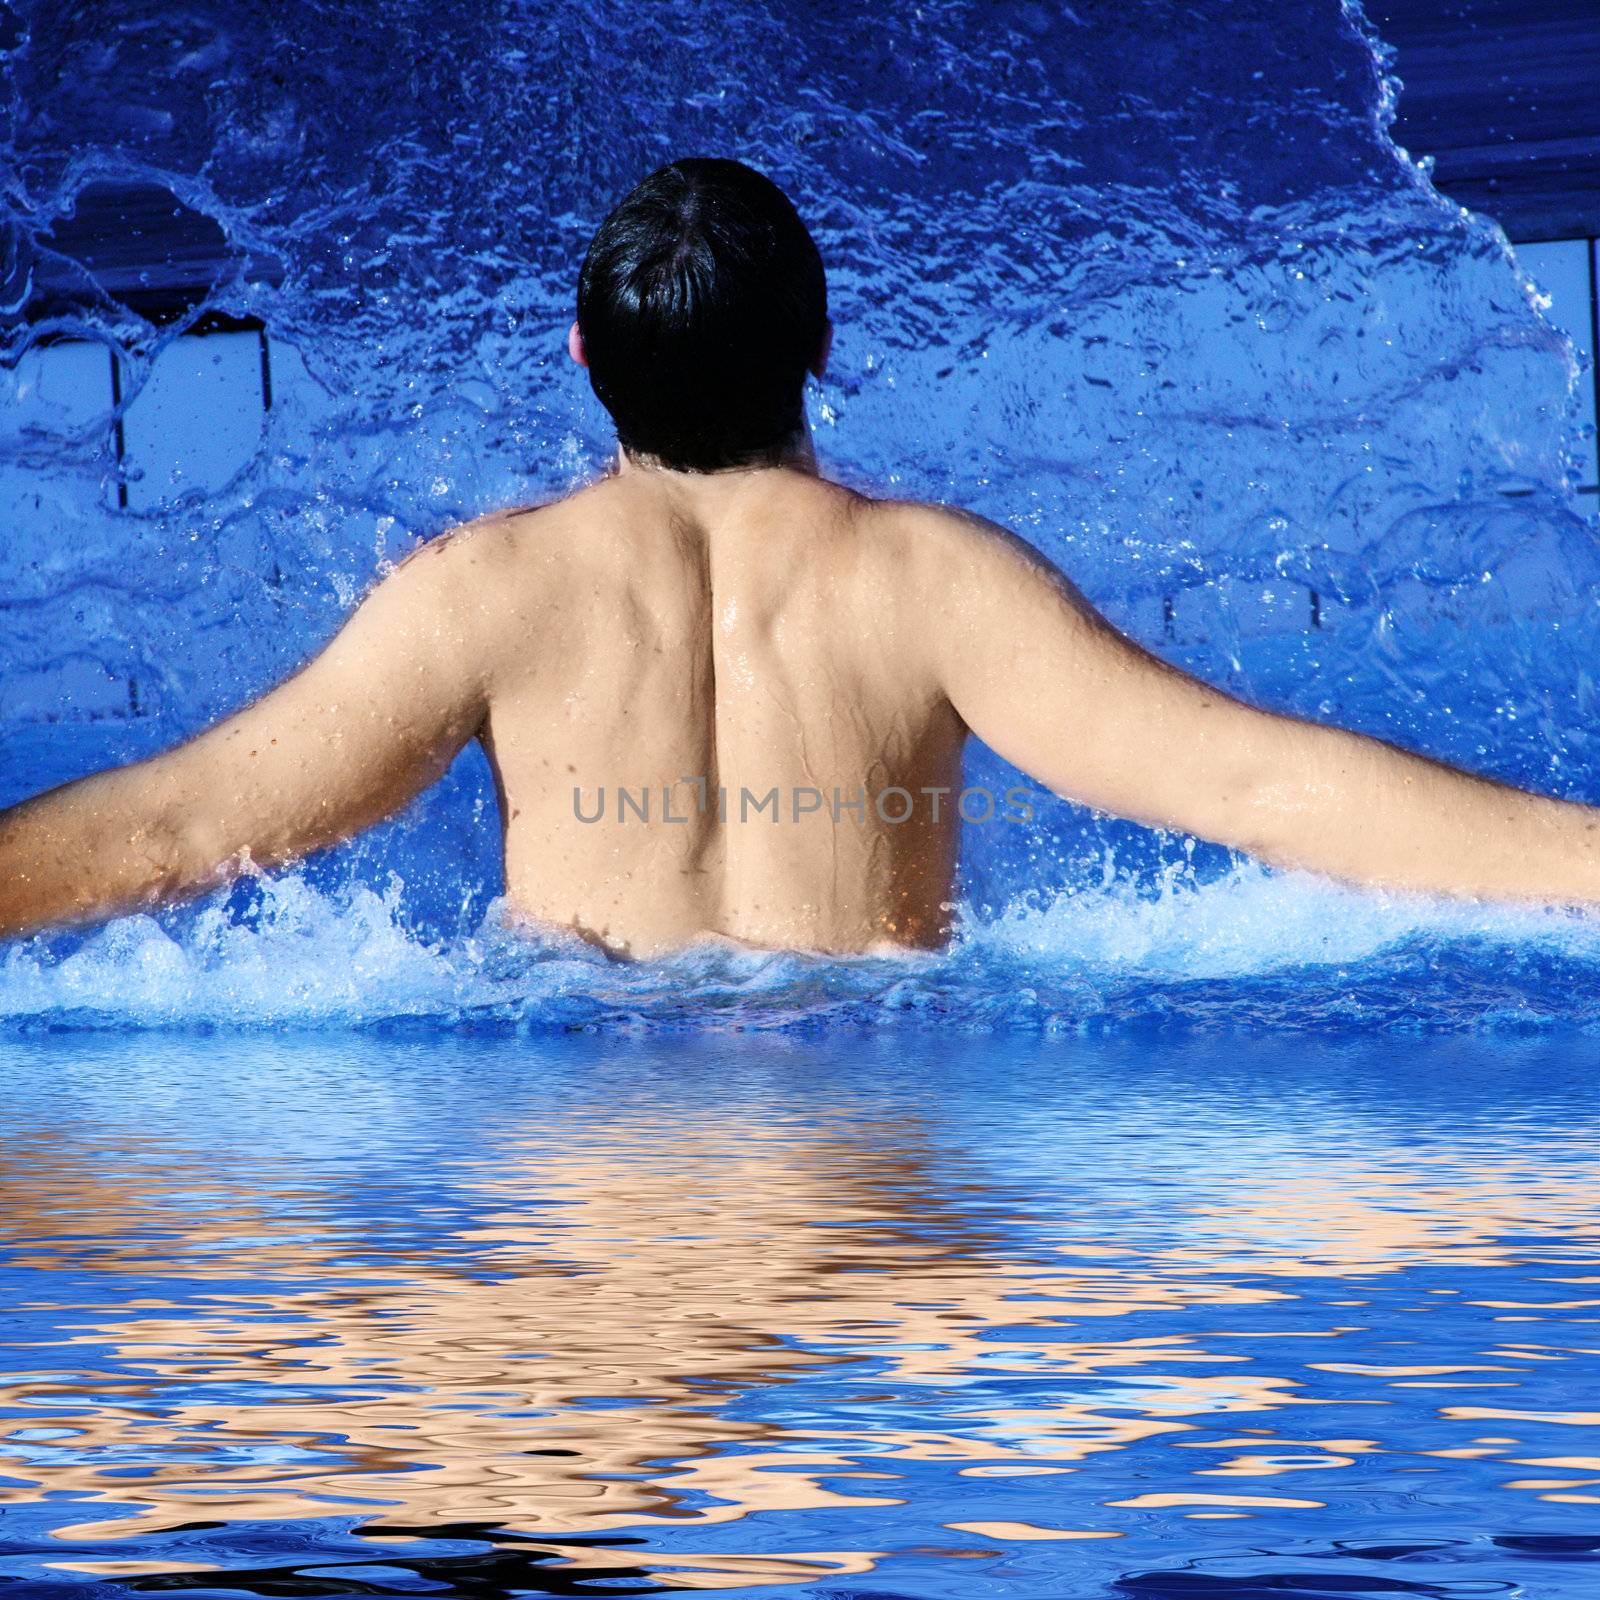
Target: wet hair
[(702, 303)]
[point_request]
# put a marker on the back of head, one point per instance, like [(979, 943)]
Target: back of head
[(701, 304)]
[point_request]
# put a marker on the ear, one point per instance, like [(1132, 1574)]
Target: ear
[(575, 346), (820, 365)]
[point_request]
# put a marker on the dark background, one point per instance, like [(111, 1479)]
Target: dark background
[(1505, 95)]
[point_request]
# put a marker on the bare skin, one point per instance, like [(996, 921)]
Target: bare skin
[(754, 630)]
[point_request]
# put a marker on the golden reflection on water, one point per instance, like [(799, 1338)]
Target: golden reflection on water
[(562, 1362)]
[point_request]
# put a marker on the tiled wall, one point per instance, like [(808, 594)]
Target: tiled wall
[(195, 423), (76, 559)]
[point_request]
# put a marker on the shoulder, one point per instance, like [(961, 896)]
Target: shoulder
[(495, 537), (956, 547), (475, 561)]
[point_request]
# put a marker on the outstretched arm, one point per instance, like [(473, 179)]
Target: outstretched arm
[(351, 737), (1045, 681)]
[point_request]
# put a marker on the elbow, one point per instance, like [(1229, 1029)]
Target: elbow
[(84, 855), (1318, 826), (1277, 820), (180, 855)]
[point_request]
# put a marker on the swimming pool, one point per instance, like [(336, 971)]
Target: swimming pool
[(1175, 1232)]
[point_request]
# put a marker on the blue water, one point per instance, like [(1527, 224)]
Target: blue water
[(1183, 1230), (873, 1316)]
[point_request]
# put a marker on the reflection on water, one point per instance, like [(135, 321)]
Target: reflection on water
[(383, 1316)]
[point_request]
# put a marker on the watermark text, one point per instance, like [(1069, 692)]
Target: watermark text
[(892, 806)]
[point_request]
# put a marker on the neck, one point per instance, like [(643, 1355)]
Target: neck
[(794, 454)]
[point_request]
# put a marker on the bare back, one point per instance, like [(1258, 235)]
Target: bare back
[(700, 694)]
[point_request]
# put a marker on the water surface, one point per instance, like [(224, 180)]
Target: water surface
[(880, 1314)]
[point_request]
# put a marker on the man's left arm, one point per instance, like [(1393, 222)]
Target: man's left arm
[(1051, 686), (354, 735)]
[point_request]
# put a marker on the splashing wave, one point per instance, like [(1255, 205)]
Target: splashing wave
[(1250, 947)]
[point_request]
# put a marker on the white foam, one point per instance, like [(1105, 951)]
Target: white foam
[(315, 959)]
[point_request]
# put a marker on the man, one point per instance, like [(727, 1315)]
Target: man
[(698, 679)]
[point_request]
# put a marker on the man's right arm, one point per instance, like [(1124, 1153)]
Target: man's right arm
[(1052, 687), (375, 718)]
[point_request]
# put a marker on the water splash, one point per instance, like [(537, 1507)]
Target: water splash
[(1159, 293), (1249, 947)]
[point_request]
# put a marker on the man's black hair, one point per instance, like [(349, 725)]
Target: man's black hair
[(701, 304)]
